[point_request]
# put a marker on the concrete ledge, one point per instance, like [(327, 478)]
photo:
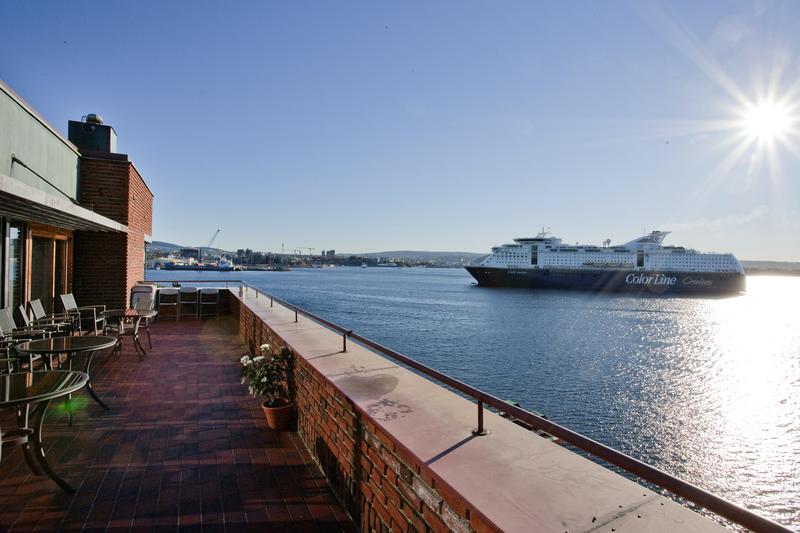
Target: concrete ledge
[(511, 479)]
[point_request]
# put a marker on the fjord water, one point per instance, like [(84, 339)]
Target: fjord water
[(705, 388)]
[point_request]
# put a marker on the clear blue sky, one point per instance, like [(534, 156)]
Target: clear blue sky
[(431, 125)]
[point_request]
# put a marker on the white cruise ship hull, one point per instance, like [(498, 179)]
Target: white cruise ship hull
[(611, 280)]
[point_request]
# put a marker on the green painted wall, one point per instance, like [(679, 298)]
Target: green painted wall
[(37, 146)]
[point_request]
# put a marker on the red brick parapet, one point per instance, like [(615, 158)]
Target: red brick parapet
[(399, 453), (381, 484)]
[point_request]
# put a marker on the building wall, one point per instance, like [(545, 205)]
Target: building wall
[(107, 265), (28, 137), (99, 261), (140, 224), (382, 485)]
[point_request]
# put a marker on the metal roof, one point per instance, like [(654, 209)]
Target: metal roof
[(19, 200)]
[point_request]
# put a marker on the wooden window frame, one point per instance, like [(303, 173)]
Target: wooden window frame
[(54, 234)]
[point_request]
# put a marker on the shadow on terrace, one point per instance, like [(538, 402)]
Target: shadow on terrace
[(182, 445)]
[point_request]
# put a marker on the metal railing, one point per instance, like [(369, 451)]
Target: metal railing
[(684, 489)]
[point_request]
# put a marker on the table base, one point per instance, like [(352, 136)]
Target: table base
[(29, 435)]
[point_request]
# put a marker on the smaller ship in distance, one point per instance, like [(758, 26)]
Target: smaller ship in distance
[(641, 265), (223, 265)]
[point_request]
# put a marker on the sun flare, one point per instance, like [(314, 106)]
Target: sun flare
[(766, 121)]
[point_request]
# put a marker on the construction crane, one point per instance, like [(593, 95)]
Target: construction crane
[(299, 250), (210, 242)]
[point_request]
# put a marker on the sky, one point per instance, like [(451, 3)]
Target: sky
[(371, 126)]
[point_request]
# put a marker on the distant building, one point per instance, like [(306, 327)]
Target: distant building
[(187, 253), (330, 253)]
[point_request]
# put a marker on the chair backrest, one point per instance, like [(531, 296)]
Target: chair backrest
[(37, 309), (24, 314), (7, 324), (137, 297), (140, 290), (209, 295), (167, 296), (144, 303), (68, 301), (188, 294)]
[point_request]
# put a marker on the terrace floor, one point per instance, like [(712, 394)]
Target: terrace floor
[(183, 446)]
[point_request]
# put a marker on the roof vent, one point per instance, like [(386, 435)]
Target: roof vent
[(91, 135)]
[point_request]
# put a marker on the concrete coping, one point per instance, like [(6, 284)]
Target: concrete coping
[(518, 480)]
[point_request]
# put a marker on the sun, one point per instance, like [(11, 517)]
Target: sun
[(766, 122)]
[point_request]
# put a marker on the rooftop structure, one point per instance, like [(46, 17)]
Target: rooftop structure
[(75, 216)]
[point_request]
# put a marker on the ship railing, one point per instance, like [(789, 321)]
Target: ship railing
[(679, 487)]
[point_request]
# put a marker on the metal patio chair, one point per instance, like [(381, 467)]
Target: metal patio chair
[(10, 336), (208, 298), (9, 328), (40, 316), (142, 290), (168, 298), (52, 326), (187, 297), (127, 328), (8, 359), (145, 304), (98, 321)]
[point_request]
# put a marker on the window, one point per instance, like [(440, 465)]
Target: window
[(13, 264), (49, 266)]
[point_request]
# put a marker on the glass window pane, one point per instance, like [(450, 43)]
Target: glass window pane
[(15, 250), (42, 271)]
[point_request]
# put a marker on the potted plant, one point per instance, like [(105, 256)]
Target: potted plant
[(266, 377)]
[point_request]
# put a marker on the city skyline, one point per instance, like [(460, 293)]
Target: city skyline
[(446, 127)]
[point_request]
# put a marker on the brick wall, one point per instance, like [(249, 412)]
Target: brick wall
[(99, 261), (107, 265), (140, 223), (382, 484)]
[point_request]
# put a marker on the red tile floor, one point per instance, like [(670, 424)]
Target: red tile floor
[(182, 448)]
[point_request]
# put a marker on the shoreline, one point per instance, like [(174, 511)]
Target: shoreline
[(771, 272)]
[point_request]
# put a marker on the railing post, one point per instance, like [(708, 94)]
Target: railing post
[(270, 301), (295, 315), (344, 340), (480, 430)]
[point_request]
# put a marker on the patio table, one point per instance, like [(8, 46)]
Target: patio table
[(87, 344), (22, 390), (134, 315)]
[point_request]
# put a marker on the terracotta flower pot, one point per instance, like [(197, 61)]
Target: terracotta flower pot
[(279, 418)]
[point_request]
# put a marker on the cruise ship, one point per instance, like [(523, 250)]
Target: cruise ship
[(641, 265)]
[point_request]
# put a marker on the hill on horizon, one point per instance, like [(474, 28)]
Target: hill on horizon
[(789, 266), (166, 245), (467, 257), (171, 247), (398, 254)]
